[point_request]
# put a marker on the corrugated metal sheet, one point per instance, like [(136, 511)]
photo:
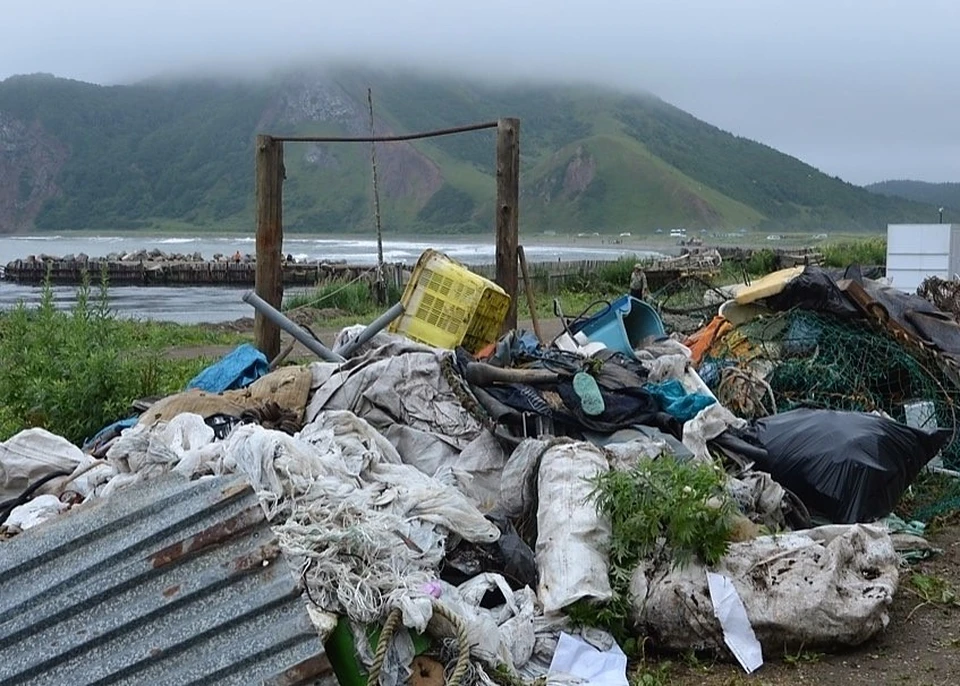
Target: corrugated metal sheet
[(167, 582)]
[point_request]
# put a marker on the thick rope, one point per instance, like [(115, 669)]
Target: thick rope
[(744, 392), (393, 623)]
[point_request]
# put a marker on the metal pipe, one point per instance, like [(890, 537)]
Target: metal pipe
[(375, 327), (309, 342)]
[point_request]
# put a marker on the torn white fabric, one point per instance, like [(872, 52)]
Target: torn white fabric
[(572, 537), (825, 587), (369, 529), (401, 390), (666, 367), (31, 455), (587, 665), (504, 635), (759, 498), (737, 633), (152, 450), (709, 423), (35, 512)]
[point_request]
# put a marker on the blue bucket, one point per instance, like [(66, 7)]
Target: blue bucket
[(623, 326)]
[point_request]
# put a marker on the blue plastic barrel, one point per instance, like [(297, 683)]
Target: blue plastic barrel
[(623, 326)]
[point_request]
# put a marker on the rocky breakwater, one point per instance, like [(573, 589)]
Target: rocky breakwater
[(155, 267)]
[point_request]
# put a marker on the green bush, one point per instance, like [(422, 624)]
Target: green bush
[(73, 372), (682, 504), (761, 262), (354, 298), (870, 251)]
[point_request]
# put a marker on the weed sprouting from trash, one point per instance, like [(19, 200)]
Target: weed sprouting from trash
[(661, 506), (679, 503)]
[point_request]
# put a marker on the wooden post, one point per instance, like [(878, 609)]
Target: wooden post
[(269, 274), (508, 211)]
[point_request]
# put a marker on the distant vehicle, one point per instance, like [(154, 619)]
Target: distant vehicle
[(820, 237), (774, 237), (625, 234)]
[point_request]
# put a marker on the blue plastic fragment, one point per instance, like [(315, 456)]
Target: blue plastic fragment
[(240, 368)]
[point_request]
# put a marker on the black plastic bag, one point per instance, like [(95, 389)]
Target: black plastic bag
[(847, 466), (814, 289)]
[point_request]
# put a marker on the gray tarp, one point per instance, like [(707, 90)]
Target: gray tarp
[(400, 389)]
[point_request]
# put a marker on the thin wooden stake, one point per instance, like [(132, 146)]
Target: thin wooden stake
[(381, 291), (528, 287)]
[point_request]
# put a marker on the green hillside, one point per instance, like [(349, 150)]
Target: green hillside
[(946, 195), (164, 153)]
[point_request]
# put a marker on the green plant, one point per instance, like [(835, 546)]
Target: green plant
[(74, 371), (869, 251), (351, 297), (651, 674), (932, 590), (802, 657), (680, 506), (761, 262)]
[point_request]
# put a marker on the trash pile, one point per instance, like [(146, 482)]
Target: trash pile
[(502, 508)]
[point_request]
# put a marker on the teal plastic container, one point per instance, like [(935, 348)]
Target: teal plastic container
[(623, 326)]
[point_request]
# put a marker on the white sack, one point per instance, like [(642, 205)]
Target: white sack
[(572, 537), (821, 588), (31, 455)]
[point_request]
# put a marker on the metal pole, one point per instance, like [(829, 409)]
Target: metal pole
[(309, 342), (375, 327)]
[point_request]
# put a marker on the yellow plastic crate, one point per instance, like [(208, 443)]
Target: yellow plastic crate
[(447, 305)]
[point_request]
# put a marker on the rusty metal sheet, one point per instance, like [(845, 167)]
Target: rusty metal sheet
[(165, 582)]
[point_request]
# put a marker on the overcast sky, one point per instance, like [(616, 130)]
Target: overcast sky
[(863, 89)]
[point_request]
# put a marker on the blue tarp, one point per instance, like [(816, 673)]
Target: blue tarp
[(239, 369), (109, 431), (674, 399)]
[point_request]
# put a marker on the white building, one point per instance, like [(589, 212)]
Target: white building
[(916, 251)]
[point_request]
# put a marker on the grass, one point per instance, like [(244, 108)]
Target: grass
[(868, 251), (353, 298), (73, 372)]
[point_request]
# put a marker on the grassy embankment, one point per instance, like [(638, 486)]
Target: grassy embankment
[(75, 371)]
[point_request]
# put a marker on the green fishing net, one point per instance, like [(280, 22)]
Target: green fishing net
[(821, 361)]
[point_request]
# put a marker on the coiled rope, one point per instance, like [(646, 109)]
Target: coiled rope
[(744, 392), (393, 623)]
